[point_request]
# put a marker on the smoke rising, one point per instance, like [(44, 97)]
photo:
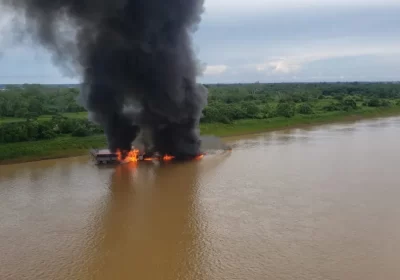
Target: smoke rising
[(133, 54)]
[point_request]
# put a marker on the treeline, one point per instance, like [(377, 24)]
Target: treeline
[(32, 129), (226, 104), (35, 100), (218, 111), (29, 101), (303, 91)]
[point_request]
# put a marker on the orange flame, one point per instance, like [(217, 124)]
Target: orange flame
[(199, 157), (168, 157), (132, 156)]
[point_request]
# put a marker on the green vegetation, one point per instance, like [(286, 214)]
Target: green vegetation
[(38, 122), (248, 126), (45, 149)]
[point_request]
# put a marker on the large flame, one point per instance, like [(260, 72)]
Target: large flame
[(132, 156)]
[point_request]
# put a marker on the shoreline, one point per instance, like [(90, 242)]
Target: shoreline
[(67, 146)]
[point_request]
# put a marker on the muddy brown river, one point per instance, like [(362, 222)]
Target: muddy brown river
[(314, 203)]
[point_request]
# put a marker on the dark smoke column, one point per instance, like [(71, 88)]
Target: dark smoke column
[(133, 56)]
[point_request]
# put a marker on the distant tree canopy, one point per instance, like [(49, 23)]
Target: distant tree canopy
[(36, 100), (31, 130), (285, 109), (305, 109), (227, 103)]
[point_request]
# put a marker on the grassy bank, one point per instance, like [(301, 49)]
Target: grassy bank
[(74, 146), (48, 149), (79, 115)]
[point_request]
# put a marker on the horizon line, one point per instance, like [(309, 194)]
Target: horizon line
[(233, 83)]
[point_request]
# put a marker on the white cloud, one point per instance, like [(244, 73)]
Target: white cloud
[(279, 66), (215, 69), (296, 59)]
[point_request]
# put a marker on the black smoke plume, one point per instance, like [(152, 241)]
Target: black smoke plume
[(136, 61)]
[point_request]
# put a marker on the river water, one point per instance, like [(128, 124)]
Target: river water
[(314, 203)]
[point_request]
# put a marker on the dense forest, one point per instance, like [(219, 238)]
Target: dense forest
[(36, 112)]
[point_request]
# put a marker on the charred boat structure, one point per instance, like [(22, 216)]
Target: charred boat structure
[(104, 156)]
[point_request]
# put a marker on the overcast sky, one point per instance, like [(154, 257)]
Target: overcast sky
[(266, 41)]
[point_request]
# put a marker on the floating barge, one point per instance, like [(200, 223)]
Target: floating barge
[(105, 156)]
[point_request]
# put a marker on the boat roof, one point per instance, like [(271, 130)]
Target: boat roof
[(104, 152)]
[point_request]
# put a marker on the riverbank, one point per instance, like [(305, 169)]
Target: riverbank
[(252, 126), (68, 146)]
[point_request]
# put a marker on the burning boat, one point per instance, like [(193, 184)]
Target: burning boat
[(105, 156), (141, 150), (139, 73)]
